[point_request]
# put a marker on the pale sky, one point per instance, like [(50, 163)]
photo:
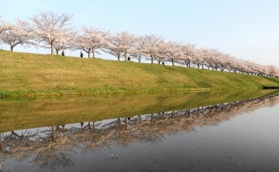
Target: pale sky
[(245, 29)]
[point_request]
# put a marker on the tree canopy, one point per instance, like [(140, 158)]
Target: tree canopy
[(51, 28)]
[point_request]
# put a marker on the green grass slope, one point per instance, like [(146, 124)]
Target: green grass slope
[(36, 74)]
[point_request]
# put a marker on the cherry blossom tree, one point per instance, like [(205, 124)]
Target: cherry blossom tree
[(137, 50), (4, 26), (91, 40), (260, 69), (244, 66), (188, 52), (231, 63), (50, 28), (114, 47), (271, 70), (237, 65), (121, 44), (152, 45), (18, 34), (128, 41), (172, 51), (67, 42), (162, 53), (213, 59), (199, 57), (205, 55), (221, 62)]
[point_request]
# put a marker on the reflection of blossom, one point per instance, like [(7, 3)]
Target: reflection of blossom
[(54, 146)]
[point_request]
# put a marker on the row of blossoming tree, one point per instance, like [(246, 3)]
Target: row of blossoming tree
[(50, 30)]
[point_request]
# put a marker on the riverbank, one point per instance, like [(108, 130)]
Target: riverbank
[(24, 74)]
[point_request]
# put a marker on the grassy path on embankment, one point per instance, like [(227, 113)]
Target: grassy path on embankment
[(37, 74)]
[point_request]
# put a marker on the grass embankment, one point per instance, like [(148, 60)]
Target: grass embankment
[(24, 74)]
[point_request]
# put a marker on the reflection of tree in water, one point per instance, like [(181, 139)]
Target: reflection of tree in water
[(92, 139), (19, 144), (3, 149), (53, 147)]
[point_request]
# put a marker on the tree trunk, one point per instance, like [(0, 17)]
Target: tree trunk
[(52, 48), (151, 58), (126, 123), (119, 122), (93, 126), (126, 55), (52, 134)]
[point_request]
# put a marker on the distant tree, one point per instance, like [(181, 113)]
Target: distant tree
[(114, 47), (274, 72), (227, 62), (67, 41), (152, 47), (257, 69), (214, 58), (50, 28), (91, 39), (197, 58), (171, 51), (137, 50), (121, 44), (203, 55), (162, 53), (188, 52), (18, 34), (222, 61), (128, 41), (205, 59), (177, 52), (231, 63)]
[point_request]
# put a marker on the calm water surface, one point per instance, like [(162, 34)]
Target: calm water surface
[(234, 136)]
